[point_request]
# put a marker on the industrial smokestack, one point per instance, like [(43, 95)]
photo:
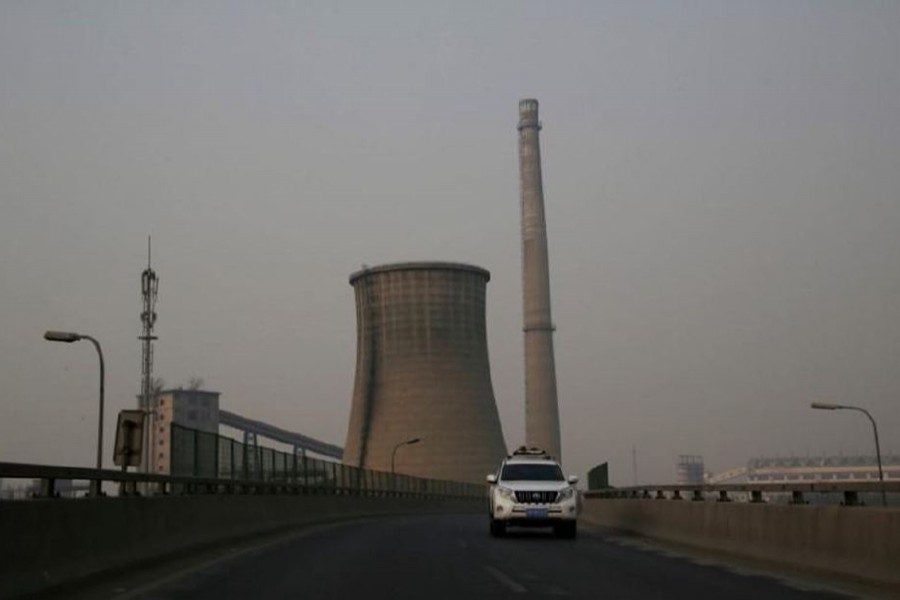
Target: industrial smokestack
[(541, 406), (422, 372)]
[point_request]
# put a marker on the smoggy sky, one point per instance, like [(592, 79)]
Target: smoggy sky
[(722, 184)]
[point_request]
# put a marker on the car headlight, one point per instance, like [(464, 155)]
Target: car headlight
[(566, 493), (506, 493)]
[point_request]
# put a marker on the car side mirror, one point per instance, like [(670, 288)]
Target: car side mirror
[(492, 479), (573, 479)]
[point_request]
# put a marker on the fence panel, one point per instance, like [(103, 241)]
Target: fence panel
[(182, 452), (237, 453), (209, 455), (206, 454), (225, 458)]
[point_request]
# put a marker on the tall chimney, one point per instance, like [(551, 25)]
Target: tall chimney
[(541, 406)]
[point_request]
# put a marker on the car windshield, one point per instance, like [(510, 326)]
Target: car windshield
[(529, 472)]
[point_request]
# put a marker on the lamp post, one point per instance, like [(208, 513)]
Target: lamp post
[(397, 447), (827, 406), (68, 338)]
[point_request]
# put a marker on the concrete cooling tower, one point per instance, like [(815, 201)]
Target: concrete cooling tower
[(422, 372)]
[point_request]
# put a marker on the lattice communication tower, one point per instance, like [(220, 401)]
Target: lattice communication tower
[(149, 291)]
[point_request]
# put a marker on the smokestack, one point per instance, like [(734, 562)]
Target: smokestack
[(541, 406), (422, 372)]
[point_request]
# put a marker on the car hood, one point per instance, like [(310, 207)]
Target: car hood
[(535, 486)]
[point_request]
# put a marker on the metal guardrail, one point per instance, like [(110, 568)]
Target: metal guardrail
[(755, 492), (337, 480)]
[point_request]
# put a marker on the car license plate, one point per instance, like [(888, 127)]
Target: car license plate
[(536, 513)]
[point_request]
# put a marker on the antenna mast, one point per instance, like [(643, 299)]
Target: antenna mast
[(149, 290)]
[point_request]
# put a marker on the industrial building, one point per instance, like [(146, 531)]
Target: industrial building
[(690, 469), (195, 409), (821, 468)]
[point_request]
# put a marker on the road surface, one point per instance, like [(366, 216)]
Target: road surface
[(451, 557)]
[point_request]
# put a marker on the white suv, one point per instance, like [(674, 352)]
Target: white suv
[(530, 490)]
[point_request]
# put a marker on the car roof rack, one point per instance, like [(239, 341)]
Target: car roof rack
[(533, 452)]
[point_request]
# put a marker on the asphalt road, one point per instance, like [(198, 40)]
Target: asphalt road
[(443, 557)]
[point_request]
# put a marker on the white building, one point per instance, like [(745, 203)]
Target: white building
[(195, 409)]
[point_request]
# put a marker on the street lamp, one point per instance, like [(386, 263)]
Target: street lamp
[(68, 338), (827, 406), (406, 443)]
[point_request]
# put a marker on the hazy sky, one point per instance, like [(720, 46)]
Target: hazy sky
[(722, 186)]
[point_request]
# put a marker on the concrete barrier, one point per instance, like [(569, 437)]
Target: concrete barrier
[(859, 543), (45, 544)]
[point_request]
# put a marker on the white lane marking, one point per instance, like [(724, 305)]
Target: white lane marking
[(506, 580)]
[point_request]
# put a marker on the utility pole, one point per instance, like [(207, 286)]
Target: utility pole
[(634, 465)]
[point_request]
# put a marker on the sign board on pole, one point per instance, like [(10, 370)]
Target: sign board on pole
[(129, 436)]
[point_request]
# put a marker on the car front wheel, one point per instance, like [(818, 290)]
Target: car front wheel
[(566, 529), (498, 528)]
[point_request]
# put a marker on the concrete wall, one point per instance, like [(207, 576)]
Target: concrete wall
[(857, 542), (48, 543)]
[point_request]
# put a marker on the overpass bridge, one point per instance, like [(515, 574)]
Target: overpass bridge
[(337, 531)]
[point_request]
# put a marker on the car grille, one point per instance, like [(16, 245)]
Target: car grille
[(536, 497)]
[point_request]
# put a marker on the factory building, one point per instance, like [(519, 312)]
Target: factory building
[(195, 409)]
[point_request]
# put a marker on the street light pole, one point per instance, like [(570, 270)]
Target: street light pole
[(397, 447), (827, 406), (68, 338)]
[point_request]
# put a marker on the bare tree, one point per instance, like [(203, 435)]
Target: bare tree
[(157, 385)]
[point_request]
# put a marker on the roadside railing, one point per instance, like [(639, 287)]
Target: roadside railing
[(330, 478), (208, 463), (850, 493)]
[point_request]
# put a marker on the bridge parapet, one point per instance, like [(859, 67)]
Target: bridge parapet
[(52, 542), (817, 527), (849, 493)]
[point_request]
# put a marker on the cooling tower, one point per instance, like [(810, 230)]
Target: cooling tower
[(422, 372), (541, 408)]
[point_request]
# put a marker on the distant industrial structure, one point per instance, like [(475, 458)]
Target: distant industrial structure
[(541, 405), (422, 373), (200, 410), (598, 477), (794, 469), (252, 430), (822, 468), (690, 469)]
